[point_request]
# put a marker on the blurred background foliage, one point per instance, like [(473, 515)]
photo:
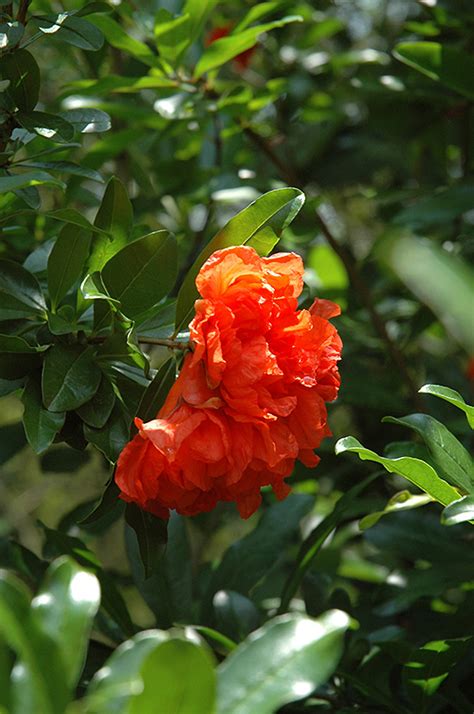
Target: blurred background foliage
[(366, 106)]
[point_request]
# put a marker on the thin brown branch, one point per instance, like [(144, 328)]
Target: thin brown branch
[(288, 174), (22, 10), (144, 340)]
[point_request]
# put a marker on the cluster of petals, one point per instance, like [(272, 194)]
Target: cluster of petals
[(250, 397)]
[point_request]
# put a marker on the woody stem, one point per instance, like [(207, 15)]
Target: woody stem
[(143, 340)]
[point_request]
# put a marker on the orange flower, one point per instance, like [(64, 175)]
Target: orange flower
[(250, 399)]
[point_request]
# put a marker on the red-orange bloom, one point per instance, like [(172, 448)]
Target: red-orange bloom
[(250, 398)]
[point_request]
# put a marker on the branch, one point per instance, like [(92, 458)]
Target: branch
[(350, 264), (22, 10), (143, 340)]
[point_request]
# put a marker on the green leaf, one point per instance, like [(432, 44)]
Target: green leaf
[(248, 560), (41, 425), (452, 67), (275, 209), (198, 11), (441, 208), (257, 12), (112, 437), (165, 584), (451, 396), (15, 631), (63, 610), (418, 472), (70, 215), (401, 501), (10, 34), (21, 69), (87, 121), (17, 357), (453, 461), (70, 377), (49, 126), (115, 216), (286, 660), (151, 533), (172, 35), (121, 40), (64, 167), (142, 273), (27, 180), (225, 49), (458, 511), (97, 410), (72, 30), (314, 541), (155, 394), (235, 614), (67, 261), (178, 674), (428, 667), (441, 280), (20, 293), (119, 681)]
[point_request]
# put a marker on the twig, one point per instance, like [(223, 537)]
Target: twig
[(143, 340), (22, 10), (345, 254)]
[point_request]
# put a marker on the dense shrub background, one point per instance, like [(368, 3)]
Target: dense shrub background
[(364, 106)]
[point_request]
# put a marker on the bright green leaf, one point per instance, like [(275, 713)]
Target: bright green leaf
[(448, 65), (458, 511), (142, 272), (286, 660), (451, 396)]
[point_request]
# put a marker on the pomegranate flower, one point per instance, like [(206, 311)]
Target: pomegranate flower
[(250, 397)]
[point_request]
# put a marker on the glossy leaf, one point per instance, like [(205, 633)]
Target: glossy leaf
[(235, 615), (29, 179), (275, 209), (401, 501), (65, 167), (178, 674), (22, 71), (97, 410), (41, 425), (451, 396), (49, 126), (225, 49), (142, 273), (119, 681), (119, 38), (247, 561), (20, 293), (458, 511), (17, 357), (72, 30), (63, 610), (157, 391), (70, 377), (451, 458), (164, 577), (86, 120), (112, 437), (10, 34), (115, 216), (151, 534), (14, 630), (286, 660), (418, 472), (452, 67), (67, 261)]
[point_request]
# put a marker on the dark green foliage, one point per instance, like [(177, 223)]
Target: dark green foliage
[(131, 147)]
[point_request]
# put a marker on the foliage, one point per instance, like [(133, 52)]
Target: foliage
[(131, 147)]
